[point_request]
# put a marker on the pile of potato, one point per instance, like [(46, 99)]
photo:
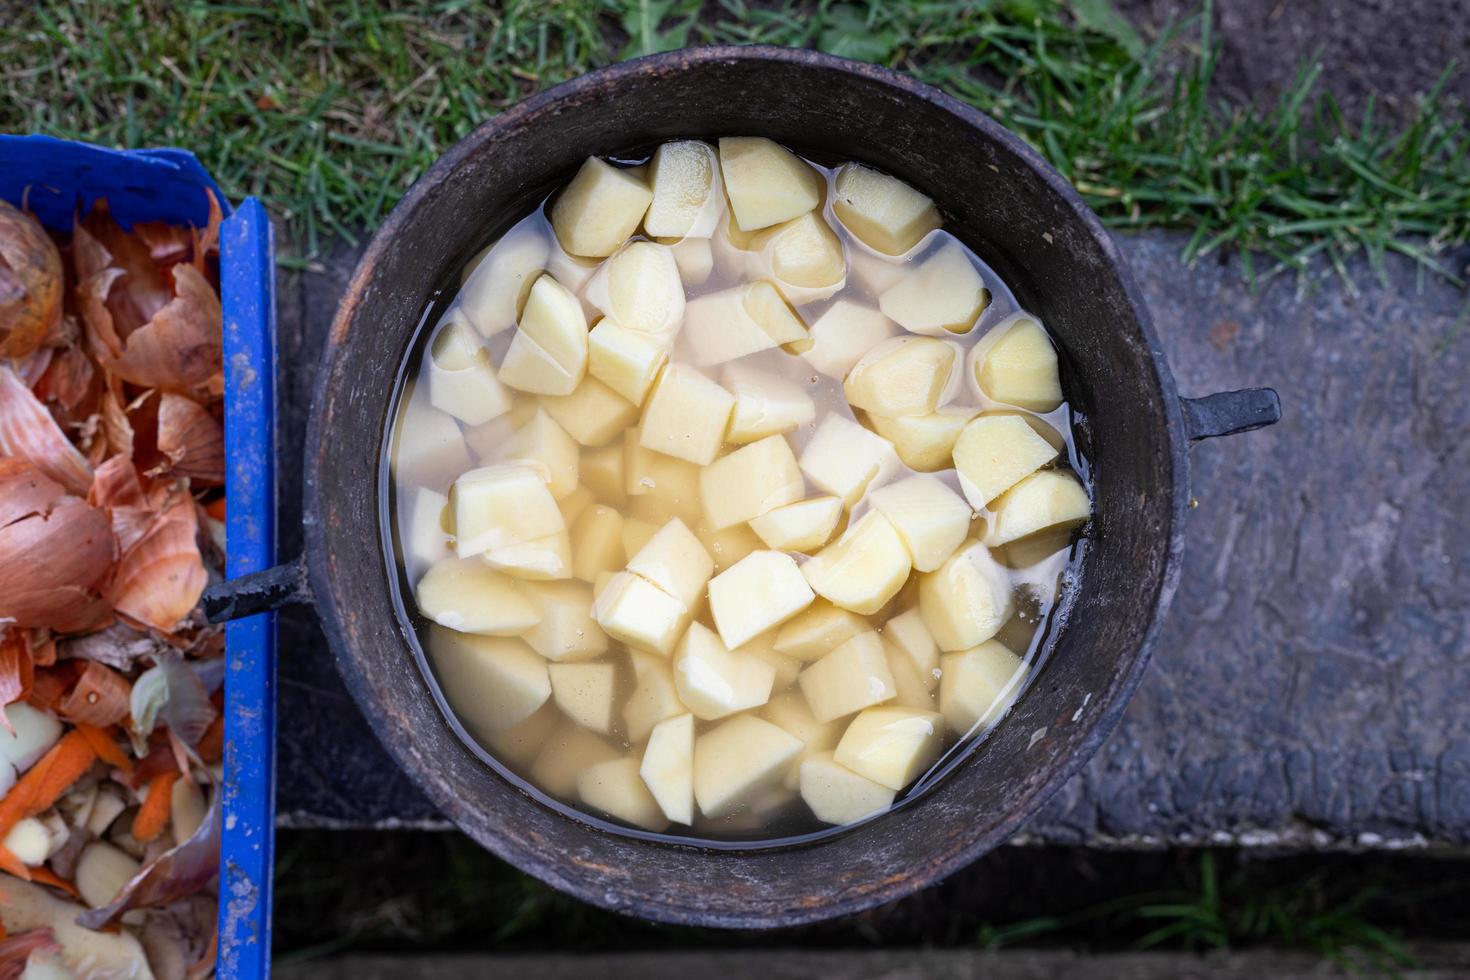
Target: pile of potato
[(699, 488)]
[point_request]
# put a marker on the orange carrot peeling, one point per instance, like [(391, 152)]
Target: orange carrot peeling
[(216, 509), (13, 865), (45, 876), (105, 746), (46, 781), (153, 814)]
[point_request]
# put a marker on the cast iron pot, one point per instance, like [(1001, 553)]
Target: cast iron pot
[(998, 196)]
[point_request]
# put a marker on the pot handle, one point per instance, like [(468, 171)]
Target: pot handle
[(1227, 412), (258, 592)]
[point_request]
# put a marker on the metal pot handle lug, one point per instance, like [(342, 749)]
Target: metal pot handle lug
[(1227, 412), (258, 592)]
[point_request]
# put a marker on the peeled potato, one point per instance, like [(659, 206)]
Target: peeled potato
[(686, 415), (494, 683), (695, 259), (803, 526), (995, 452), (843, 334), (765, 405), (676, 562), (637, 612), (627, 361), (803, 257), (640, 289), (844, 459), (884, 213), (566, 630), (715, 681), (668, 767), (907, 634), (864, 568), (818, 631), (924, 442), (966, 600), (654, 699), (1047, 499), (593, 414), (602, 472), (790, 712), (767, 183), (850, 678), (543, 442), (494, 291), (737, 761), (423, 537), (548, 355), (749, 482), (685, 177), (462, 378), (616, 788), (836, 794), (597, 542), (1019, 366), (739, 321), (891, 745), (540, 559), (978, 685), (931, 518), (500, 505), (435, 453), (762, 590), (567, 752), (943, 295), (467, 595), (585, 692), (902, 376), (599, 209)]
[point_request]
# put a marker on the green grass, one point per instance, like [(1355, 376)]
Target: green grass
[(330, 110)]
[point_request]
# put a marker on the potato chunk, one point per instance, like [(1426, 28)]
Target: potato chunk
[(566, 631), (640, 289), (944, 294), (931, 518), (672, 484), (836, 794), (500, 505), (909, 688), (519, 744), (640, 614), (1049, 499), (602, 472), (790, 712), (686, 416), (593, 415), (924, 442), (636, 534), (627, 361), (843, 334), (494, 683), (804, 258), (884, 213), (568, 752), (966, 601), (599, 209), (675, 561), (436, 452), (786, 667), (654, 699), (874, 274), (902, 376), (742, 320), (548, 354), (668, 767), (685, 176), (762, 590), (714, 681), (584, 693), (468, 595), (803, 526), (843, 458), (864, 568), (994, 453), (766, 182), (597, 542), (695, 259), (749, 482), (495, 289), (818, 631), (978, 685), (615, 788), (542, 441), (101, 872), (908, 634), (728, 545), (891, 746), (423, 538), (462, 378), (539, 560), (765, 405), (737, 761), (850, 678), (1019, 365)]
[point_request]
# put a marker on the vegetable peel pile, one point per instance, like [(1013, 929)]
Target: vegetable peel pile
[(111, 525)]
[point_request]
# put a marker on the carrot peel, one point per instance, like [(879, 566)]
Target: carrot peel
[(46, 781), (154, 813)]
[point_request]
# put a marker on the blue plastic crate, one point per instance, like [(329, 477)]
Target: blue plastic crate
[(57, 177)]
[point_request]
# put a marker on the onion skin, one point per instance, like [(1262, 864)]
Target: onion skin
[(30, 283)]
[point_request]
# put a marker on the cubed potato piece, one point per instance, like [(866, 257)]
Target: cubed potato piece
[(686, 416), (803, 526), (493, 683), (597, 543), (462, 379), (494, 292), (495, 441), (27, 735), (978, 686), (624, 360), (639, 289), (1049, 499), (602, 472), (891, 745), (585, 693), (542, 440), (668, 767), (836, 794), (593, 415), (765, 405), (902, 376), (766, 182), (28, 841), (468, 595), (966, 601), (786, 667), (539, 560), (687, 196), (733, 251), (636, 534), (714, 681), (739, 760), (883, 212), (818, 631), (843, 334), (804, 258), (653, 699), (1016, 363), (675, 561), (907, 633), (1034, 549), (910, 690), (599, 209), (844, 459), (862, 569), (727, 545), (566, 631), (931, 518), (422, 536), (695, 259), (429, 448), (672, 484), (850, 678), (790, 712), (548, 354), (575, 504), (739, 321), (642, 662), (1040, 425), (639, 613), (572, 271), (616, 789), (874, 274), (994, 453), (518, 745), (749, 482), (924, 442), (102, 870), (762, 590), (943, 294), (568, 752), (500, 505)]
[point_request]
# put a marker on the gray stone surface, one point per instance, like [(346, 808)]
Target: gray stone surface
[(1310, 687)]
